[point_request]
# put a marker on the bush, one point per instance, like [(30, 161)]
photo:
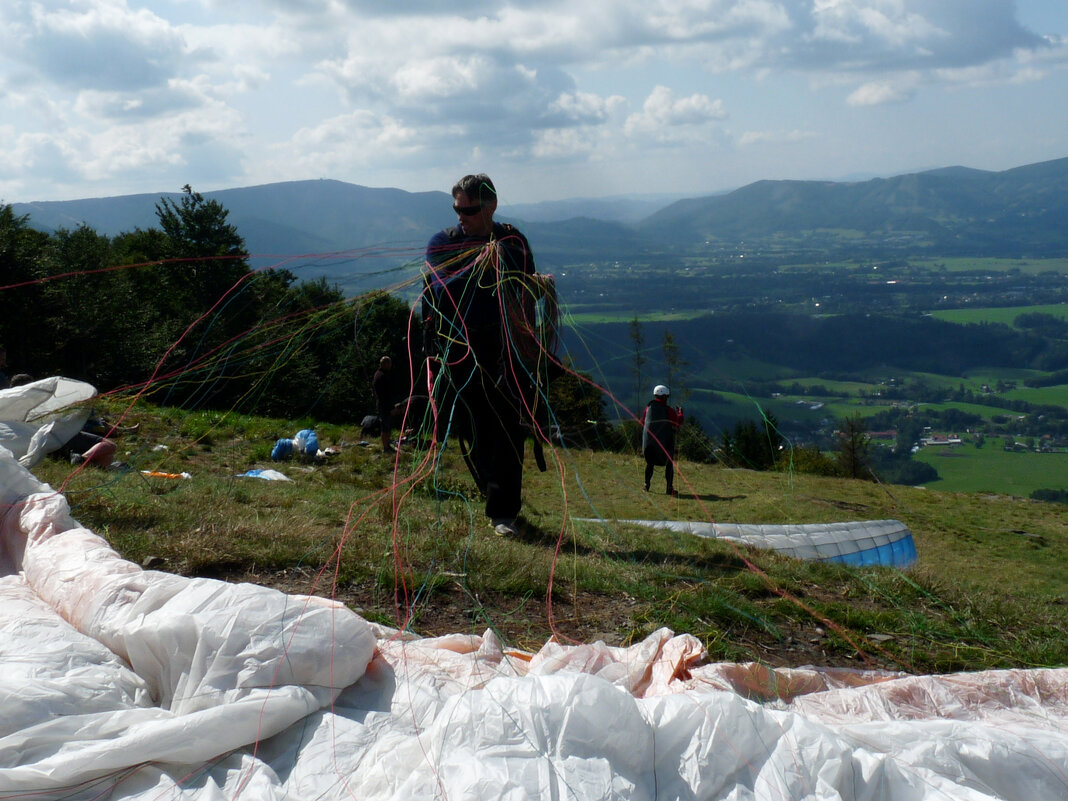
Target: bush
[(1050, 495), (808, 459)]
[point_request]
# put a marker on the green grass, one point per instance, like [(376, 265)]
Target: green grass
[(1000, 314), (413, 549), (648, 316), (1056, 395), (991, 468), (994, 265)]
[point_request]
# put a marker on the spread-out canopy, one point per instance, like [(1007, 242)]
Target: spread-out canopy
[(863, 542), (123, 683)]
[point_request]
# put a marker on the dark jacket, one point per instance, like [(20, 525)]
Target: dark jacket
[(659, 424)]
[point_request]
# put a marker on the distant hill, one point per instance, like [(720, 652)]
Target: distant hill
[(609, 209), (953, 210), (948, 211), (293, 217)]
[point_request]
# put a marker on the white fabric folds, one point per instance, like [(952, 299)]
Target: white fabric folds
[(121, 683)]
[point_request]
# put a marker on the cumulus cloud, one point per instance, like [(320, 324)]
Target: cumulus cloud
[(350, 143), (129, 106), (582, 108), (667, 119), (875, 93), (565, 143), (879, 35), (423, 79), (102, 45)]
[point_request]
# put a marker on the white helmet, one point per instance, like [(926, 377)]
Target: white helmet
[(660, 391)]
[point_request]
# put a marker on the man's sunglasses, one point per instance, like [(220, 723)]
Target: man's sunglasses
[(467, 211)]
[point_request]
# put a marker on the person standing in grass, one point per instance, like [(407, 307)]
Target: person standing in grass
[(474, 301), (659, 423)]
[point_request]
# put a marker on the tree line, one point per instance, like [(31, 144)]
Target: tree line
[(175, 312)]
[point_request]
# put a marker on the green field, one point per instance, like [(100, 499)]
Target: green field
[(601, 316), (965, 468), (999, 314), (967, 264)]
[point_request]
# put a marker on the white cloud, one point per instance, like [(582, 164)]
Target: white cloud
[(101, 45), (583, 108), (565, 143), (876, 93), (350, 142), (667, 119), (774, 137), (885, 35), (286, 85)]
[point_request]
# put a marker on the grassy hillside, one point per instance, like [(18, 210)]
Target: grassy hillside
[(1003, 314), (965, 468), (408, 547)]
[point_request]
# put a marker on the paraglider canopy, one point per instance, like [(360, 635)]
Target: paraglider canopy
[(42, 416)]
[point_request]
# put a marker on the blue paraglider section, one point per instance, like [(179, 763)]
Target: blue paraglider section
[(887, 543)]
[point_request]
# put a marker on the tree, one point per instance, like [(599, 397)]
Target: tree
[(22, 255), (210, 254), (205, 280), (854, 447), (675, 365), (638, 339), (752, 445), (577, 406), (694, 443)]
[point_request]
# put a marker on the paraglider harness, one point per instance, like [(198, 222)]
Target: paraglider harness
[(506, 319)]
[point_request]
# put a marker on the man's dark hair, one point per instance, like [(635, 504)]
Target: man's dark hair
[(479, 186)]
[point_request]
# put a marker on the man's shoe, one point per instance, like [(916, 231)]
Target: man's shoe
[(673, 493), (505, 527)]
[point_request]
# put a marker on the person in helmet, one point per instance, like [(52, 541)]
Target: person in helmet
[(659, 424)]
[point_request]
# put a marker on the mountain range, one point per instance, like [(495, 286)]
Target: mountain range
[(1018, 212)]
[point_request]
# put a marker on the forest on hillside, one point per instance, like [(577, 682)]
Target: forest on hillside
[(175, 314)]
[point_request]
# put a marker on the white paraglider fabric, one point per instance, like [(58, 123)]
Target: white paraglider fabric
[(41, 417), (123, 683)]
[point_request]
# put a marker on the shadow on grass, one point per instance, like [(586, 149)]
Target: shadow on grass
[(712, 497), (715, 563)]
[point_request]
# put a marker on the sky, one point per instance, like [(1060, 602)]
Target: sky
[(554, 99)]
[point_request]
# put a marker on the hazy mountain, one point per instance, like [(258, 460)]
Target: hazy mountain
[(628, 209), (954, 209), (950, 210), (285, 218)]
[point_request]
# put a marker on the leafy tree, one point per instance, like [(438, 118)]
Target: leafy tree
[(577, 403), (909, 431), (1050, 495), (83, 309), (206, 256), (22, 258), (205, 278), (753, 445), (854, 447), (694, 443), (901, 468)]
